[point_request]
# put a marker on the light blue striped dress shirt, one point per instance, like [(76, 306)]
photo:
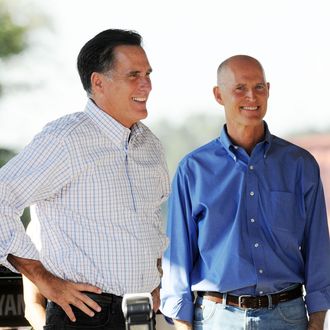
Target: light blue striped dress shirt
[(98, 189)]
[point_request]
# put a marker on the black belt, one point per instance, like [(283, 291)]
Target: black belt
[(105, 298), (254, 302)]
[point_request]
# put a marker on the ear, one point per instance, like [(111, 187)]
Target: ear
[(217, 95), (97, 82)]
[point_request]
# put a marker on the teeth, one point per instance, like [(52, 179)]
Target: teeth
[(139, 99), (249, 108)]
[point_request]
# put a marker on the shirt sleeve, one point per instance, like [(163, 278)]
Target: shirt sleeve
[(178, 260), (37, 173), (165, 190), (316, 249)]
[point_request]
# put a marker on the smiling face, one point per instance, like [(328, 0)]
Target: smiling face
[(124, 90), (243, 91)]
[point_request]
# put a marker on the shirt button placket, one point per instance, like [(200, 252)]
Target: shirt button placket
[(254, 230)]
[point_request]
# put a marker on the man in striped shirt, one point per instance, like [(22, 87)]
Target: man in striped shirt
[(98, 179)]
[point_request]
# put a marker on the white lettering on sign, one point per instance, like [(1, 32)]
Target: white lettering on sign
[(9, 306)]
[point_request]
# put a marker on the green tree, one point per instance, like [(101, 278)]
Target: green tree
[(16, 30), (5, 155), (12, 35)]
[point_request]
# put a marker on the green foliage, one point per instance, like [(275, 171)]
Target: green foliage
[(12, 35), (16, 27), (5, 155)]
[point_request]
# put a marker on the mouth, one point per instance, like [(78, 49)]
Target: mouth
[(139, 99), (250, 108)]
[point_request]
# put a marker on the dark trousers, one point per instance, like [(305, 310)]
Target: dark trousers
[(110, 318)]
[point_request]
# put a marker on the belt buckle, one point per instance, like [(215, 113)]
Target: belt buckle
[(240, 299)]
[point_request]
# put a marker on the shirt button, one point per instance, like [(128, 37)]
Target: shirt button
[(261, 271), (252, 220), (251, 193), (256, 245), (251, 167)]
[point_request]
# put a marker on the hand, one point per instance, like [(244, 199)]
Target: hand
[(316, 320), (156, 299), (182, 325), (64, 293)]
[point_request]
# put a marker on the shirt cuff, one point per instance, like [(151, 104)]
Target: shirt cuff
[(20, 246), (178, 309), (318, 300)]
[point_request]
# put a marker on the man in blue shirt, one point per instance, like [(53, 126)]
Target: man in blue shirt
[(247, 222)]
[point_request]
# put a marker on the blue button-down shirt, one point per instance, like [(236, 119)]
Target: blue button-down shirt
[(246, 224)]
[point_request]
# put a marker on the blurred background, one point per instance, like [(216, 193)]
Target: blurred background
[(185, 41)]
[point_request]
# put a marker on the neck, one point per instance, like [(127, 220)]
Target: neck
[(246, 137)]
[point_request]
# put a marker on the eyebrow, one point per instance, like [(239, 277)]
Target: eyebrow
[(138, 71)]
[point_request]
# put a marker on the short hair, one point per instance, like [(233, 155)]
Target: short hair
[(97, 55)]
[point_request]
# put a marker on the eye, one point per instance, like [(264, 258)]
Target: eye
[(133, 75), (260, 87), (240, 88)]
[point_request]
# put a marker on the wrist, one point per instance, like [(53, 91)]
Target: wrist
[(32, 269), (316, 320)]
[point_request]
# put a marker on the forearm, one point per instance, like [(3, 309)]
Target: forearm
[(316, 320), (37, 274), (32, 269), (64, 293), (182, 325)]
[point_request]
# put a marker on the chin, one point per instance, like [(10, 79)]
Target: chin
[(142, 114)]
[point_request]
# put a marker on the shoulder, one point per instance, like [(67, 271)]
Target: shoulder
[(288, 152), (67, 125), (203, 154), (290, 149)]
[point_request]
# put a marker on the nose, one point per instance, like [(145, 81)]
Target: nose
[(145, 83), (250, 95)]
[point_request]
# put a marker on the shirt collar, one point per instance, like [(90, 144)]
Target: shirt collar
[(230, 147), (225, 141), (119, 134), (268, 140)]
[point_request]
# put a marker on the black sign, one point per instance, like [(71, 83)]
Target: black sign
[(11, 299)]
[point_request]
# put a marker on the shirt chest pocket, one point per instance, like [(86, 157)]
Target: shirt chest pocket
[(283, 210)]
